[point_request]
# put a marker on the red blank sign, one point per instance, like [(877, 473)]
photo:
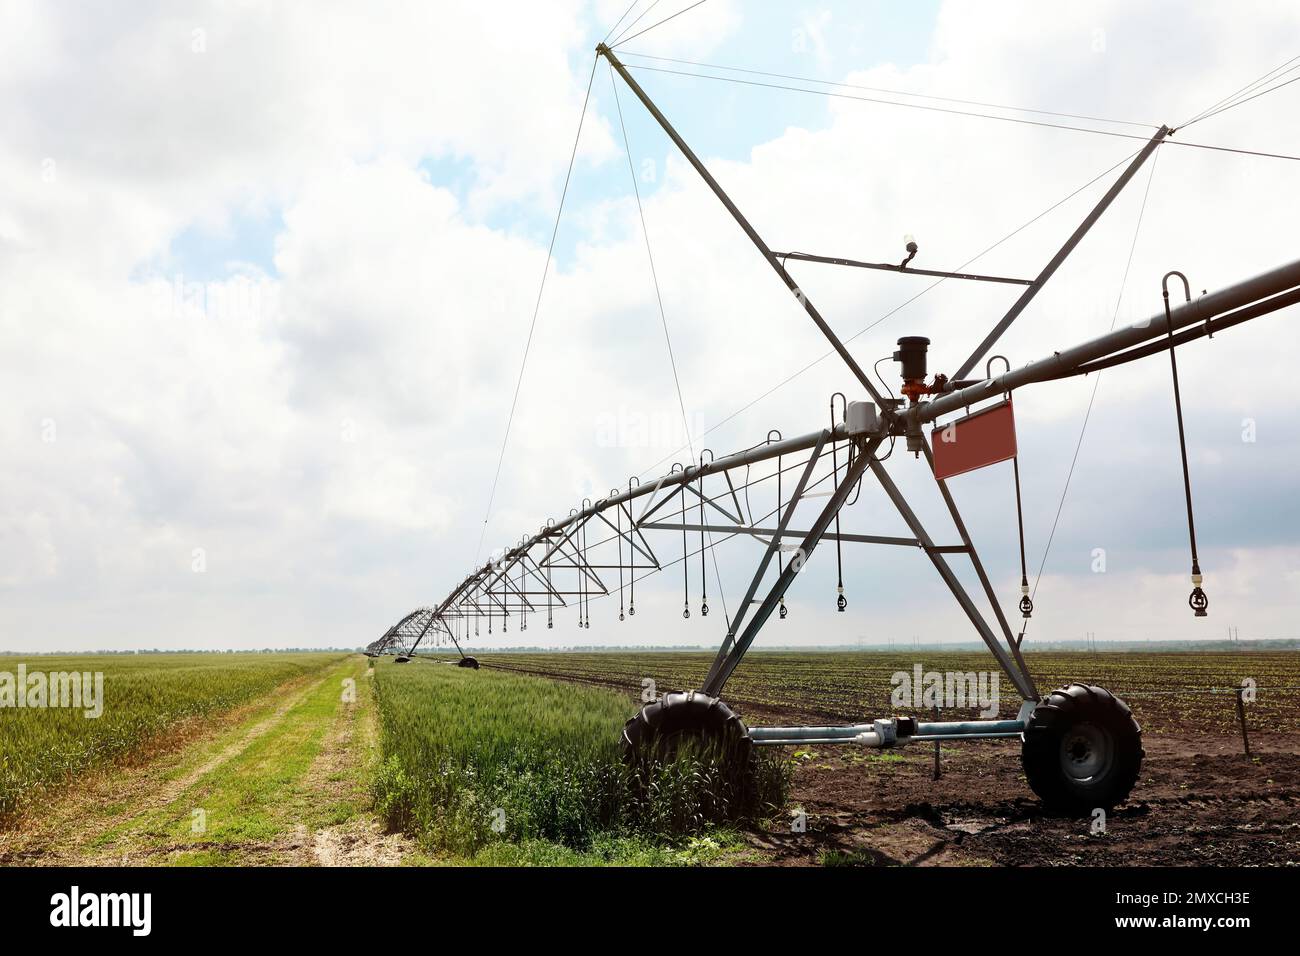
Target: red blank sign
[(985, 438)]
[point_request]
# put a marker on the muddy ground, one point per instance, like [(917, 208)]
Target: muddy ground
[(1199, 802)]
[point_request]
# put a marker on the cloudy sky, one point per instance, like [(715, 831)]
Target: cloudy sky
[(267, 270)]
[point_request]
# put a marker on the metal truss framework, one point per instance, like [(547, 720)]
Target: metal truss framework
[(606, 546)]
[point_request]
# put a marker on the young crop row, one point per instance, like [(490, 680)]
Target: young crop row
[(1168, 692), (43, 743), (472, 759)]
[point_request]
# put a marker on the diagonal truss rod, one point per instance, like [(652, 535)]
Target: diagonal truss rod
[(1013, 645), (1062, 254), (733, 648), (773, 547), (1010, 666), (744, 224)]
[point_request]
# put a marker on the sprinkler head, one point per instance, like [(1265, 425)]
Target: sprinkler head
[(910, 243)]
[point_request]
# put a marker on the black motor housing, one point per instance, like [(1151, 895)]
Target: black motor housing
[(911, 352)]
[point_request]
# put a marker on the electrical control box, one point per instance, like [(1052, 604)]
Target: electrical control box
[(862, 418)]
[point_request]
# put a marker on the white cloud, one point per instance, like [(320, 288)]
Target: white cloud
[(331, 444)]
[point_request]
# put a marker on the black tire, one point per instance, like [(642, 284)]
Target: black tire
[(401, 660), (1082, 749), (662, 728), (467, 662)]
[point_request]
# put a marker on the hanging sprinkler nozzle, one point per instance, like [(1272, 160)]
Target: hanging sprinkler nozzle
[(1197, 600)]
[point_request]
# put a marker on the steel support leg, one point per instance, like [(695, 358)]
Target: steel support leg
[(975, 561), (1019, 679), (730, 656), (772, 548)]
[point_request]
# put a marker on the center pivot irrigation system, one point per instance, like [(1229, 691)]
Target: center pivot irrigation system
[(1081, 747)]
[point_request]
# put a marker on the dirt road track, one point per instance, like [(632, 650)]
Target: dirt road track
[(282, 781)]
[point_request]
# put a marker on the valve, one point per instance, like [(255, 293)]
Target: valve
[(911, 355)]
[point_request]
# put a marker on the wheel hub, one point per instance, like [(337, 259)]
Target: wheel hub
[(1086, 752)]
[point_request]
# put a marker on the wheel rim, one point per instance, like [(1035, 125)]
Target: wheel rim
[(1087, 752)]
